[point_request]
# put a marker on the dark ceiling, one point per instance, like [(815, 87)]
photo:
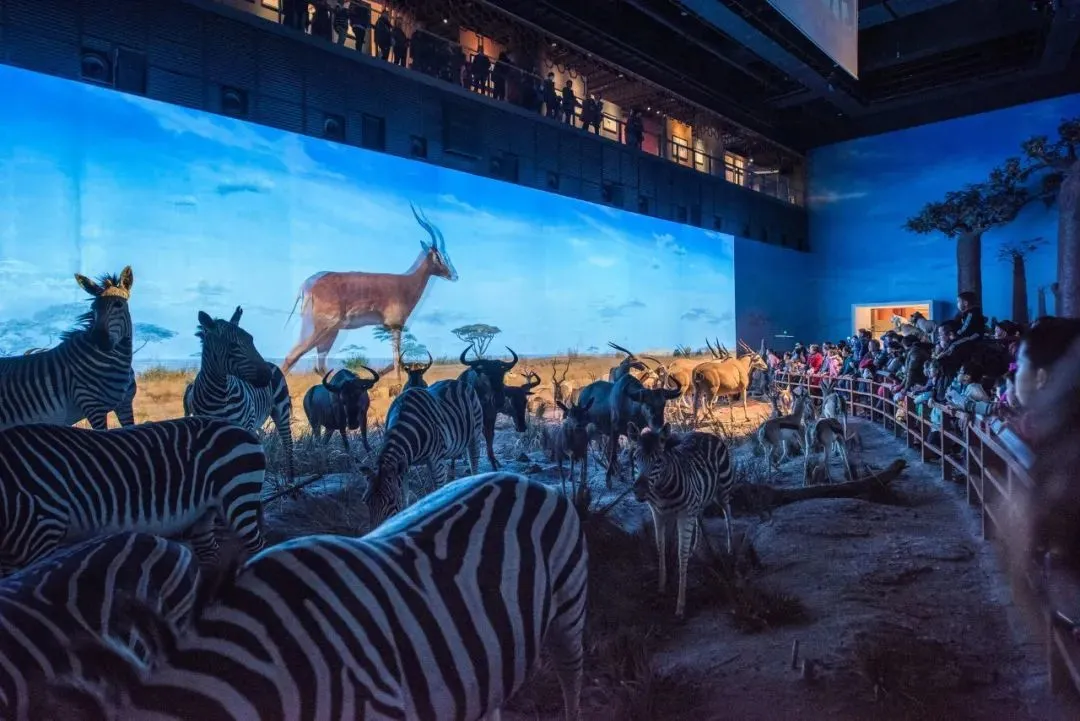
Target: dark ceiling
[(919, 60)]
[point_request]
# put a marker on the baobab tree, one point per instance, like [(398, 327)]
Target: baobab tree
[(1016, 252), (1056, 164), (965, 215)]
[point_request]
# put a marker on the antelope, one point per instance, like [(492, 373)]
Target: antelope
[(574, 435), (414, 372), (727, 377), (926, 326), (331, 302), (784, 430), (833, 405), (829, 434), (562, 390)]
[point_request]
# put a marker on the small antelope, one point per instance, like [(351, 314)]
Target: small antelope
[(574, 435), (833, 405), (784, 431), (829, 434), (561, 389)]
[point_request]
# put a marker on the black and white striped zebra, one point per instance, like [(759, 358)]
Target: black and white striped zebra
[(236, 384), (432, 425), (439, 614), (59, 483), (84, 590), (87, 375), (680, 476)]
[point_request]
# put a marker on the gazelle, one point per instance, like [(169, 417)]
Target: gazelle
[(829, 435), (833, 405)]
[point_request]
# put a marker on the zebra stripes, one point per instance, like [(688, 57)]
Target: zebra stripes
[(439, 614), (82, 590), (431, 426), (59, 483), (681, 476), (236, 384), (87, 375)]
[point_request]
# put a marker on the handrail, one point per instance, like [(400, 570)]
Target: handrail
[(996, 483)]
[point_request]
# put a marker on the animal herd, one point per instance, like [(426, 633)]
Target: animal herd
[(439, 612)]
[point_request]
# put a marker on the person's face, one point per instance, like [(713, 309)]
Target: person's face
[(999, 333), (962, 304), (1029, 379), (963, 376)]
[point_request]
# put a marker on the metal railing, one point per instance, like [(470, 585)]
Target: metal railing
[(448, 60), (997, 483)]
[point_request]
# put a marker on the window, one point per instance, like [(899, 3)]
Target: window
[(373, 132), (680, 150), (734, 168)]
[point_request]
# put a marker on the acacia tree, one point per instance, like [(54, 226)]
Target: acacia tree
[(479, 335), (1016, 252), (965, 215), (1057, 166)]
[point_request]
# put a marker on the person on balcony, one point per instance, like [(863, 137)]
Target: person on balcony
[(551, 98), (322, 26), (480, 70), (384, 32), (360, 20), (569, 103), (499, 75), (399, 42)]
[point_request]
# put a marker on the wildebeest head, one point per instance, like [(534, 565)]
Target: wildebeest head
[(575, 427), (383, 493), (627, 364), (517, 399), (415, 372), (652, 400), (109, 320), (232, 349), (491, 372), (436, 249), (351, 391), (650, 452)]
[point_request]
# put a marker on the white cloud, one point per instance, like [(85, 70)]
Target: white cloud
[(666, 243), (602, 261), (828, 197)]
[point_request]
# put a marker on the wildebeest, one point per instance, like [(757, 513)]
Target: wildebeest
[(627, 364), (516, 400), (726, 378), (488, 379), (340, 403), (614, 405), (414, 373), (331, 302)]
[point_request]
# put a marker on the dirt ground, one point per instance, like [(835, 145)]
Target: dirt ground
[(903, 596)]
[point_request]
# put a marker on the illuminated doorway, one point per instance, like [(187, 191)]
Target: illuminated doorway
[(878, 317)]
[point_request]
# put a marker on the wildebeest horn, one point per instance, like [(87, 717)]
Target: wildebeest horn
[(436, 235), (649, 357), (673, 393), (374, 374), (430, 360), (464, 353), (512, 363), (330, 387), (619, 348), (235, 320)]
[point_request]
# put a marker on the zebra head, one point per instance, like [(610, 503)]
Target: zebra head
[(109, 320), (385, 488), (229, 349), (652, 447)]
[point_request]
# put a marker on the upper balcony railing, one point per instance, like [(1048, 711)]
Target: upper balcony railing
[(502, 80)]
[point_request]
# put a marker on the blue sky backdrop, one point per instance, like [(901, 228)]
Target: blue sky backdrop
[(862, 192), (212, 212)]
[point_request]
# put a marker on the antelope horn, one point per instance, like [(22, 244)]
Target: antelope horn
[(708, 345), (530, 384), (436, 236), (658, 363)]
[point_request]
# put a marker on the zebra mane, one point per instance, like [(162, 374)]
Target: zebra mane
[(83, 322)]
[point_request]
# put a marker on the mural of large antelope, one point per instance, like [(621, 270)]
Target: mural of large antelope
[(331, 302)]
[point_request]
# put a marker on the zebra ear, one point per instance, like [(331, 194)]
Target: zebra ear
[(205, 320), (235, 320), (127, 278), (88, 285)]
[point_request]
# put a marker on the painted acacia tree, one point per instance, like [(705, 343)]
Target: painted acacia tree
[(965, 215), (1016, 252), (1057, 166)]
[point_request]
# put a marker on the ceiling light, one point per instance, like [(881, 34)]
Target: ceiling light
[(445, 21)]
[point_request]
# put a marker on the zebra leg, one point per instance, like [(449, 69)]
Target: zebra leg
[(363, 432), (473, 449), (686, 528), (660, 528), (727, 525), (125, 410), (438, 473), (98, 418), (493, 715), (566, 646), (489, 439)]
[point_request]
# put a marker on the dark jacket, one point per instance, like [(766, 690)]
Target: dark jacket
[(916, 358), (972, 323)]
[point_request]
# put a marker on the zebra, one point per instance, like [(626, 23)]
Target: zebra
[(424, 425), (439, 614), (83, 590), (59, 483), (236, 384), (681, 476), (87, 375)]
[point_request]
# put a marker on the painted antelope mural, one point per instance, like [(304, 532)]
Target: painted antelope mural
[(331, 302)]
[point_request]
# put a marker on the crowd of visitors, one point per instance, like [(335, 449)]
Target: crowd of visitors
[(970, 367), (501, 77)]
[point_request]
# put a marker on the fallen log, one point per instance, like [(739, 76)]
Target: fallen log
[(760, 497)]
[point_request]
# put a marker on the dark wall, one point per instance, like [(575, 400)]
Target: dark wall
[(194, 49)]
